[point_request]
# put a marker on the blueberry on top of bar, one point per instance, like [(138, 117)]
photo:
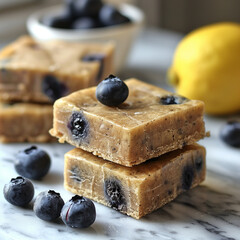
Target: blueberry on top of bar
[(112, 91)]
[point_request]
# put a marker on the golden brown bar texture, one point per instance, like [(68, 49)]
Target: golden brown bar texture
[(141, 128), (33, 71), (25, 122), (138, 190)]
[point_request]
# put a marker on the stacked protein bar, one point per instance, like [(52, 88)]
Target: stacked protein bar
[(33, 75), (135, 157)]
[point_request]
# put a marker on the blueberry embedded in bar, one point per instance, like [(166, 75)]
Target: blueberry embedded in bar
[(149, 123), (138, 190)]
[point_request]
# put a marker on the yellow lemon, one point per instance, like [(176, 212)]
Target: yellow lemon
[(206, 66)]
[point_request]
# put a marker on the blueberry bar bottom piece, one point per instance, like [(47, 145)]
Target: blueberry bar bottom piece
[(138, 190), (25, 122)]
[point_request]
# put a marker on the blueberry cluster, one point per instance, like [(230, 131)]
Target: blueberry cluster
[(78, 212), (86, 14), (34, 163)]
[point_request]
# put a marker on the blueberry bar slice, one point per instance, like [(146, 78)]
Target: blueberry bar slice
[(25, 122), (33, 71), (149, 123), (138, 190)]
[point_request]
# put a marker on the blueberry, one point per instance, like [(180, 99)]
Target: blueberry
[(78, 125), (230, 133), (110, 16), (32, 163), (48, 205), (168, 100), (114, 194), (79, 212), (86, 8), (62, 21), (187, 177), (19, 191), (112, 91), (85, 23), (95, 57), (199, 163), (52, 88)]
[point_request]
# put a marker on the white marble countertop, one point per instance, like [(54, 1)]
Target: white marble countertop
[(210, 211)]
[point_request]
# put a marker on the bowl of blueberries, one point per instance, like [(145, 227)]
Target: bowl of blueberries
[(91, 21)]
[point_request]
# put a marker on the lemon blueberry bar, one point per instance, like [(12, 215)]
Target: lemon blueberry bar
[(151, 122), (33, 71), (138, 190)]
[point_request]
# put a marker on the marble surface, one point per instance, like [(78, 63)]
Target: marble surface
[(210, 211)]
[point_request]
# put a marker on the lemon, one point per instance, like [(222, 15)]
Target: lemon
[(206, 66)]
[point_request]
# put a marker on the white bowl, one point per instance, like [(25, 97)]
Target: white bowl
[(122, 35)]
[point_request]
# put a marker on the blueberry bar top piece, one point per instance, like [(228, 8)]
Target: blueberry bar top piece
[(138, 190), (25, 122), (149, 123), (45, 71)]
